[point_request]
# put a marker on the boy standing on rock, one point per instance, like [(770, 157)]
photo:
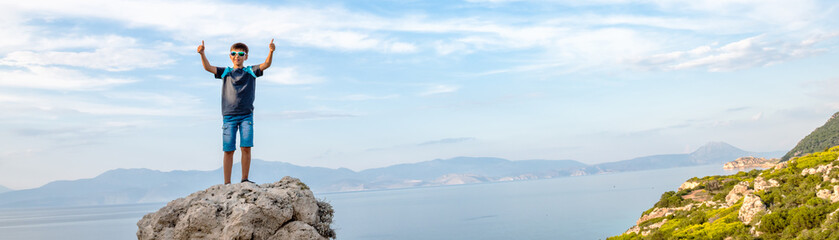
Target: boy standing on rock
[(237, 95)]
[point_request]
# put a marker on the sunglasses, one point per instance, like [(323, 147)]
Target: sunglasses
[(240, 53)]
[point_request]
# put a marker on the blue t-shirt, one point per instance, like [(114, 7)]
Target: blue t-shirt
[(238, 89)]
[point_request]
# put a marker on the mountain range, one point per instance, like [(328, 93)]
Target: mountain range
[(127, 186)]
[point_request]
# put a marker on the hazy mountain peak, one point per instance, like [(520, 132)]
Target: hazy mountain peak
[(717, 152), (4, 189), (475, 160), (715, 147)]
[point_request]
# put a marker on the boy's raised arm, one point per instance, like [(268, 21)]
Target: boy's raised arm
[(267, 62), (204, 61)]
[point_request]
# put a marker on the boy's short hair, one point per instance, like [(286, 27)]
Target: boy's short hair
[(239, 46)]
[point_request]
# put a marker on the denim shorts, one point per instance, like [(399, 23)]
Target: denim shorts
[(241, 123)]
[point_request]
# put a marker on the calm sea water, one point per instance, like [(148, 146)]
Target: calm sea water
[(587, 207)]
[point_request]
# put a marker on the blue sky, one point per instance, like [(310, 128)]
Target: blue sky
[(88, 86)]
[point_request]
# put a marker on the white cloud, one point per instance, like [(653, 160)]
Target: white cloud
[(290, 76), (587, 39), (308, 115), (781, 14), (399, 47), (757, 116), (33, 105), (153, 98), (103, 52), (749, 52), (446, 48), (438, 89), (323, 27), (109, 59), (356, 97), (523, 68), (337, 39), (13, 25), (56, 78), (363, 97)]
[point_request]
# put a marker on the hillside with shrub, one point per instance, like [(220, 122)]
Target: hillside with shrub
[(820, 139), (797, 199)]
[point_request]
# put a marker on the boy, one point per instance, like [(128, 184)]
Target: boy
[(237, 95)]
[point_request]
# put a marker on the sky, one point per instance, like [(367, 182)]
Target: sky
[(92, 85)]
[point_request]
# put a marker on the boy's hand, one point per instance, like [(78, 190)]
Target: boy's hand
[(201, 47), (268, 60), (204, 61)]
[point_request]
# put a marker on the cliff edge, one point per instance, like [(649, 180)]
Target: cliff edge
[(286, 209)]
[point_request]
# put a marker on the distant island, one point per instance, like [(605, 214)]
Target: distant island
[(751, 162)]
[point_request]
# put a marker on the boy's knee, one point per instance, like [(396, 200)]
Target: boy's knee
[(229, 152), (246, 149)]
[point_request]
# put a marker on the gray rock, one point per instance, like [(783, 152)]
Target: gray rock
[(688, 185), (762, 184), (833, 196), (286, 209), (735, 194), (752, 205)]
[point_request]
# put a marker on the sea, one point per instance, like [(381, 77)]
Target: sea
[(582, 207)]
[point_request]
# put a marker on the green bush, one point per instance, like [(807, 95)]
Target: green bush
[(725, 224), (672, 199), (816, 159), (713, 185), (773, 223), (801, 218)]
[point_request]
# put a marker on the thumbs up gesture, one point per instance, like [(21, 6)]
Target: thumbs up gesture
[(201, 47)]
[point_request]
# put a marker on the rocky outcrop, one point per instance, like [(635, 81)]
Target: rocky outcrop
[(821, 169), (656, 213), (761, 184), (286, 209), (751, 162), (738, 192), (752, 205), (782, 165), (824, 170), (662, 212), (826, 194), (688, 185), (646, 230)]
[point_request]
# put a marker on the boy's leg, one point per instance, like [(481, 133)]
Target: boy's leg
[(228, 165), (246, 135), (246, 162), (229, 129)]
